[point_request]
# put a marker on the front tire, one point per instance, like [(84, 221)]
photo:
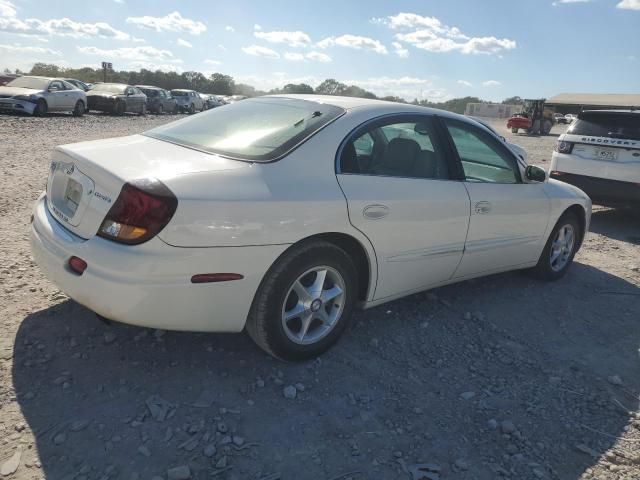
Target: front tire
[(41, 108), (192, 109), (561, 247), (304, 303)]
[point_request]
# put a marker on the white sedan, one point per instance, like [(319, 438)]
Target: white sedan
[(281, 214), (39, 95)]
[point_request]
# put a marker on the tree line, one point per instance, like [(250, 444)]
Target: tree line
[(221, 84)]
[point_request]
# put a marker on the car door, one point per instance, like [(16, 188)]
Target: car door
[(57, 96), (400, 193), (508, 217)]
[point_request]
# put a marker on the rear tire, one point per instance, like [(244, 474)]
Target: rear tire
[(558, 253), (192, 109), (41, 108), (296, 326), (79, 109)]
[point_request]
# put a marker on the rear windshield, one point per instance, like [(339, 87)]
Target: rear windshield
[(613, 125), (260, 129), (30, 82), (178, 93), (108, 87), (150, 93)]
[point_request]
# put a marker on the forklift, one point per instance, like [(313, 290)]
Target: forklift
[(535, 118)]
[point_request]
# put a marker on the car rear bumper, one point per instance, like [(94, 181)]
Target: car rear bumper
[(150, 284), (602, 191), (13, 105), (101, 104)]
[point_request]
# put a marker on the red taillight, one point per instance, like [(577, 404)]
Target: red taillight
[(215, 277), (77, 265), (141, 211), (563, 147)]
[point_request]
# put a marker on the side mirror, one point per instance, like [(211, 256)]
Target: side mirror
[(535, 173)]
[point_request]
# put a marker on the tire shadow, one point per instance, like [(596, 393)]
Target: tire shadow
[(538, 355)]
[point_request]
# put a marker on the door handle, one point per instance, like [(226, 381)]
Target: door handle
[(483, 207), (375, 212)]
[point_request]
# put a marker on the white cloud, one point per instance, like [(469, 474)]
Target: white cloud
[(173, 22), (184, 43), (629, 5), (142, 53), (210, 61), (164, 67), (318, 57), (491, 83), (17, 48), (257, 26), (259, 51), (229, 28), (275, 80), (119, 1), (464, 83), (64, 27), (313, 56), (405, 87), (354, 41), (400, 50), (560, 2), (429, 33), (294, 57), (293, 39), (222, 48)]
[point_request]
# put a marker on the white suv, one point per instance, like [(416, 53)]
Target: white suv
[(600, 154)]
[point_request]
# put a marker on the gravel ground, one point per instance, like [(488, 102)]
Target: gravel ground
[(504, 377)]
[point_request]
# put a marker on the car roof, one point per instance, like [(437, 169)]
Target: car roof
[(38, 76), (625, 111), (181, 90), (349, 103), (149, 87)]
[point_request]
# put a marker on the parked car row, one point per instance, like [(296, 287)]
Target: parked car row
[(37, 96)]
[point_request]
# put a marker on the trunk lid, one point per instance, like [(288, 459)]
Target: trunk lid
[(86, 178)]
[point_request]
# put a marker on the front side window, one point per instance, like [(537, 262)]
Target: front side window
[(56, 85), (396, 149), (482, 160), (260, 129)]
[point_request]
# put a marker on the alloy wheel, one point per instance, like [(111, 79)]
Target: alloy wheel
[(313, 305), (562, 247)]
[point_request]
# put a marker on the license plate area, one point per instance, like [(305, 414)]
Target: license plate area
[(606, 154), (73, 195), (69, 192)]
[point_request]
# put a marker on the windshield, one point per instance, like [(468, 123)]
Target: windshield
[(179, 93), (607, 124), (260, 129), (30, 82), (109, 87)]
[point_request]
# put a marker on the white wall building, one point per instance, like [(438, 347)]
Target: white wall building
[(492, 110)]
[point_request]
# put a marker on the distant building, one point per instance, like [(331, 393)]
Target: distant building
[(492, 110), (576, 102)]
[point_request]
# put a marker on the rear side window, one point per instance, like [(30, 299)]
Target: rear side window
[(607, 124), (259, 129), (402, 147)]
